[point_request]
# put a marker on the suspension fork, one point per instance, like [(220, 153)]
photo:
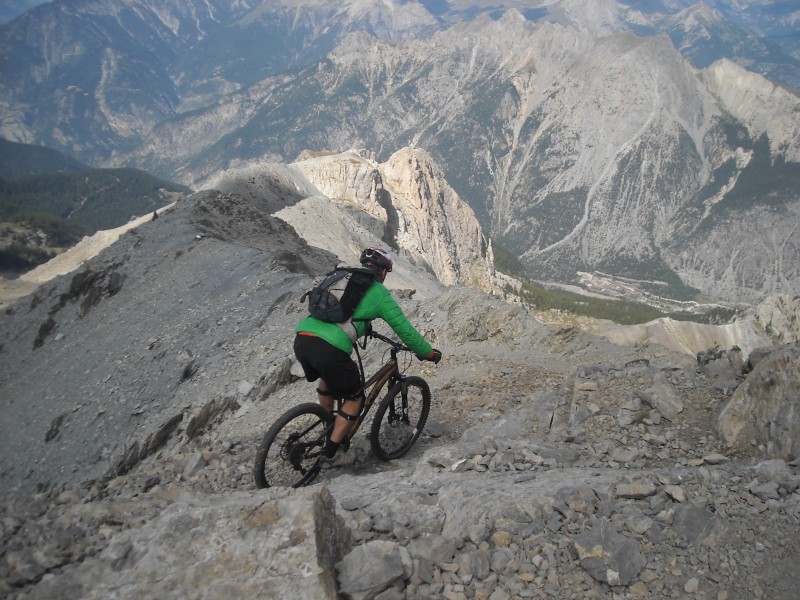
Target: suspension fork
[(399, 413)]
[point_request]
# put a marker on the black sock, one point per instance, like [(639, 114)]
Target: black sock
[(331, 448)]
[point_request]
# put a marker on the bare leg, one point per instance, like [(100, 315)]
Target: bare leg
[(325, 400), (342, 426)]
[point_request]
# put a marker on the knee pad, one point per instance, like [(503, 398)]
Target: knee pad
[(360, 399), (347, 417)]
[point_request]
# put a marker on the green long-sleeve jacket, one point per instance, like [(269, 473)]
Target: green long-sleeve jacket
[(376, 303)]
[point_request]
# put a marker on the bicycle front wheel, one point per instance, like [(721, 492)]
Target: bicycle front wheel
[(400, 418), (291, 448)]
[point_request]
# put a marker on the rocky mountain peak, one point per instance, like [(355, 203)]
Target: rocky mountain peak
[(434, 223), (390, 19), (345, 201), (600, 18), (765, 107), (420, 213)]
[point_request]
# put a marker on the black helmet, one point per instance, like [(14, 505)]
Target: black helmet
[(378, 257)]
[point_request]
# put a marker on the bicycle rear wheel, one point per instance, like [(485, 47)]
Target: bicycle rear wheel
[(400, 418), (289, 453)]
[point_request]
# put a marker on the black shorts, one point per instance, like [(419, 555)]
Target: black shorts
[(320, 360)]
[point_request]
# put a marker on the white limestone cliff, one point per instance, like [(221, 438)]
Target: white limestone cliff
[(417, 210), (765, 107)]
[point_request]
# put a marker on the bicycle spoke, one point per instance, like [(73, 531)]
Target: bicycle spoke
[(290, 451), (400, 419)]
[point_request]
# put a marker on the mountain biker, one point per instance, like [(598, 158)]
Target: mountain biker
[(324, 349)]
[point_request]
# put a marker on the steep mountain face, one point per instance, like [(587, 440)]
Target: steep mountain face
[(405, 202), (631, 183), (114, 70), (580, 145), (457, 249), (421, 213)]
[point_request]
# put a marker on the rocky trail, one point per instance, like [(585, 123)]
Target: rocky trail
[(532, 481)]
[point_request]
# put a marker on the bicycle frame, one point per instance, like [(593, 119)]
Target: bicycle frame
[(388, 373)]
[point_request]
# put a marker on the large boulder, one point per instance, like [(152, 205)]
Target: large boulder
[(765, 409)]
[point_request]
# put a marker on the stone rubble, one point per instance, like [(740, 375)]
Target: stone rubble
[(602, 497)]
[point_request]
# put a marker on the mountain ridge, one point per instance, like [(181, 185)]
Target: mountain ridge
[(343, 203), (49, 201)]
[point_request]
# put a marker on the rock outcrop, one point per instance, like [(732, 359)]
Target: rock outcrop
[(765, 409), (779, 316), (420, 212), (433, 224), (280, 546)]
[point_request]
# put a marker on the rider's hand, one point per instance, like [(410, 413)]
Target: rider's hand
[(435, 356)]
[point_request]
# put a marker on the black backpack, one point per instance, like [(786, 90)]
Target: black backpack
[(336, 297)]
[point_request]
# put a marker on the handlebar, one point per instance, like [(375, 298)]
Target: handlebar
[(396, 346)]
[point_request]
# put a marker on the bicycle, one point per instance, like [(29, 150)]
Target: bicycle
[(290, 451)]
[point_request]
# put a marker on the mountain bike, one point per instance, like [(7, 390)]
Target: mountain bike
[(290, 451)]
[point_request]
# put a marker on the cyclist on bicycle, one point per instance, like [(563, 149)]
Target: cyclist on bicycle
[(323, 349)]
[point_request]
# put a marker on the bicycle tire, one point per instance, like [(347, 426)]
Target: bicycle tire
[(391, 435), (283, 461)]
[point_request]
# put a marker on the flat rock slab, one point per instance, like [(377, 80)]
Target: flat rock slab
[(281, 544)]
